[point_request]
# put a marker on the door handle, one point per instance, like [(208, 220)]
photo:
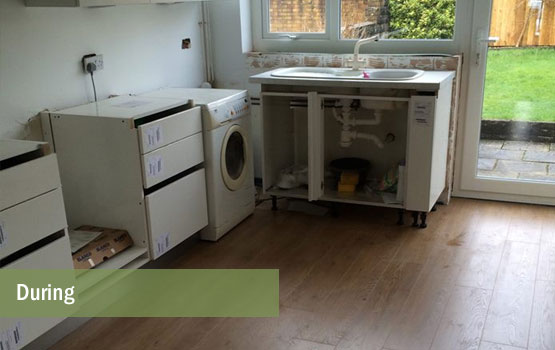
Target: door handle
[(482, 39)]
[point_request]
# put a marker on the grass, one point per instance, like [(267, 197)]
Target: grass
[(520, 84)]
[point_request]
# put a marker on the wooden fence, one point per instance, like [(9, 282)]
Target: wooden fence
[(520, 23)]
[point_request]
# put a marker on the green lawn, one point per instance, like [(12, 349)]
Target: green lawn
[(520, 84)]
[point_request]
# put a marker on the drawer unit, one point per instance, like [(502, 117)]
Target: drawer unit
[(31, 221), (138, 168), (28, 180), (176, 212), (33, 227), (169, 129), (172, 159)]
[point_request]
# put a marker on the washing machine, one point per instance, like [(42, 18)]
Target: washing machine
[(227, 152)]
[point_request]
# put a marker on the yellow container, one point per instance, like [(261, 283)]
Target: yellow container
[(346, 188), (349, 177)]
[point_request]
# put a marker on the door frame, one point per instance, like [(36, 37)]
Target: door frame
[(467, 184)]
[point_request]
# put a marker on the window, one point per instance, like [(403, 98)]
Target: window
[(310, 25)]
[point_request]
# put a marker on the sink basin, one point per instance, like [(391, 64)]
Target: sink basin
[(347, 73)]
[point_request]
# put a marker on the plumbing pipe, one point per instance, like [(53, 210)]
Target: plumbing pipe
[(347, 137)]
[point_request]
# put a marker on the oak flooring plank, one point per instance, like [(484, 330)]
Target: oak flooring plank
[(546, 265), (542, 329), (508, 319), (479, 269), (380, 316), (463, 320), (526, 226), (422, 312), (493, 346)]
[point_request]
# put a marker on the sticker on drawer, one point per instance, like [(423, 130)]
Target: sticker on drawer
[(11, 338), (154, 136), (162, 244), (2, 236), (155, 165)]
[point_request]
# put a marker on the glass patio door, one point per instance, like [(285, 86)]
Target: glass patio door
[(508, 143)]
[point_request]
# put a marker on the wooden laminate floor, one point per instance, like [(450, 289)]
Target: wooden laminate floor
[(481, 276)]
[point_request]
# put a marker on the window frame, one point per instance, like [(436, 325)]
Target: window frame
[(266, 34), (332, 43)]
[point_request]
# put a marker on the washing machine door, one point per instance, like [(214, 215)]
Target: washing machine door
[(235, 157)]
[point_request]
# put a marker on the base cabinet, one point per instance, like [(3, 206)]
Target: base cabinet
[(402, 135)]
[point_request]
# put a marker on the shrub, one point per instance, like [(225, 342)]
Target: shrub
[(423, 19)]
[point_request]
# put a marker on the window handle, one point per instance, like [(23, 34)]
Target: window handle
[(289, 36)]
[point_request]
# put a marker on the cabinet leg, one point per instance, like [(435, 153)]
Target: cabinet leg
[(401, 217), (414, 219), (423, 217), (274, 203), (334, 210)]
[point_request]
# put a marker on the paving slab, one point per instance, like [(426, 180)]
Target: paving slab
[(486, 164), (499, 174), (526, 146), (545, 178), (547, 157), (497, 144), (492, 153), (519, 166)]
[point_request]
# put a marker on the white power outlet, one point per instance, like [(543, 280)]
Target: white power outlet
[(96, 60)]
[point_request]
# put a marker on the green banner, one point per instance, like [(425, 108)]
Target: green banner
[(139, 293)]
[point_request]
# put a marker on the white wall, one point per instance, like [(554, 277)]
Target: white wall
[(231, 38), (41, 50)]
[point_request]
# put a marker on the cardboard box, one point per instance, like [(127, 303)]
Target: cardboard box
[(109, 243)]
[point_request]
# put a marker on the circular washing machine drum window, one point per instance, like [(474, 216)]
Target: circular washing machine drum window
[(234, 157)]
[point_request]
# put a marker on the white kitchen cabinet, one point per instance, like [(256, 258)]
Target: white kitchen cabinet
[(33, 226), (128, 163), (300, 129)]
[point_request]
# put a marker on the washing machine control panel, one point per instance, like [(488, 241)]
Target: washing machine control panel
[(226, 112)]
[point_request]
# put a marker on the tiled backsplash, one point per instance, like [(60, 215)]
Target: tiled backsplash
[(258, 62)]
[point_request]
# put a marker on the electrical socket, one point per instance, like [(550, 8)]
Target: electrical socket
[(97, 60)]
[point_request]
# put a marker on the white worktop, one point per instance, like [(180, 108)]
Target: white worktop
[(123, 107), (430, 81)]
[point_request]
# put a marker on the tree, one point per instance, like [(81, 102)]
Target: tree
[(423, 19)]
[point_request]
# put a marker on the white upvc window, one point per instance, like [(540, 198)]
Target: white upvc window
[(335, 25)]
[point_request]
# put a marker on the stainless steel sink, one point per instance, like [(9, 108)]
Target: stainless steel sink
[(348, 73)]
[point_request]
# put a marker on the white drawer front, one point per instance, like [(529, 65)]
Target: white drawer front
[(172, 159), (176, 212), (28, 180), (169, 129), (54, 256), (30, 221)]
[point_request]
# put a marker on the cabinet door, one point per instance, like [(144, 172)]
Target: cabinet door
[(315, 146)]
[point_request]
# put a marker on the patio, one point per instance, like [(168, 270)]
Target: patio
[(517, 160)]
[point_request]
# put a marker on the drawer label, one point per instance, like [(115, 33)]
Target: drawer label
[(2, 236), (423, 113), (154, 136), (162, 244), (11, 338), (155, 166)]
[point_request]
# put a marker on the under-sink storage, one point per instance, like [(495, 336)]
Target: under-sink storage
[(366, 138), (172, 215), (288, 150), (397, 136)]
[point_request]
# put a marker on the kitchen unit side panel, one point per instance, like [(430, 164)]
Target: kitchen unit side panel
[(420, 152), (100, 168)]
